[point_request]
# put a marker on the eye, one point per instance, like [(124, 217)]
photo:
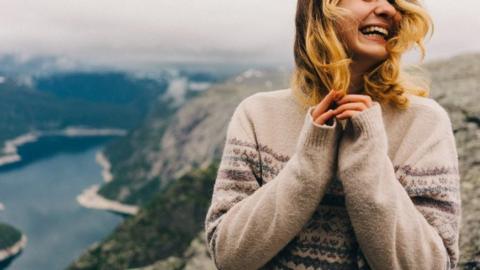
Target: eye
[(391, 2)]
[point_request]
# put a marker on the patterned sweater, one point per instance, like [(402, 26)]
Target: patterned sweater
[(377, 191)]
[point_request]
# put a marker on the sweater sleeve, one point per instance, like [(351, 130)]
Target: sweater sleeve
[(407, 216), (247, 224)]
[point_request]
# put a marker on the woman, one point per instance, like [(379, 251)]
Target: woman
[(365, 177)]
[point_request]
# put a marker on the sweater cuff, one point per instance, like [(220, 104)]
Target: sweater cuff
[(369, 122), (319, 136)]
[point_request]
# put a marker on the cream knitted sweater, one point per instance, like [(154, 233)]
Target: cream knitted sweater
[(380, 192)]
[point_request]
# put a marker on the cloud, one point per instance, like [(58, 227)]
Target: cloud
[(149, 32)]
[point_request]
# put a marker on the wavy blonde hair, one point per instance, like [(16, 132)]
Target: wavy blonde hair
[(322, 62)]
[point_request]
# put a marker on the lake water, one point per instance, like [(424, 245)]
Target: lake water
[(39, 195)]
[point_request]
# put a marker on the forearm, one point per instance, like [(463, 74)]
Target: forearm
[(246, 228), (391, 232), (257, 228)]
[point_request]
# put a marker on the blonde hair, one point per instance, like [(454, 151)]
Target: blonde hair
[(322, 62)]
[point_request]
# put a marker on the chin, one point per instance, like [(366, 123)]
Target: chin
[(370, 60)]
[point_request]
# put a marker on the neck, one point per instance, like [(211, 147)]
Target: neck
[(357, 70), (356, 83)]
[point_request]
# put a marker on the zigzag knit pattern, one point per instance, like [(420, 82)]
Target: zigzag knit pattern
[(291, 202)]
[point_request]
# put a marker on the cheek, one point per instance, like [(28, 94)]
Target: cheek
[(397, 18), (351, 35), (348, 29)]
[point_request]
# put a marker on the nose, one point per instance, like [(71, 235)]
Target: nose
[(386, 9)]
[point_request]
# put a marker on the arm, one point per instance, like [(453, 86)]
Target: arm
[(397, 227), (247, 225)]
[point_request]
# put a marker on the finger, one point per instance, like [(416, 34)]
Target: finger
[(367, 100), (346, 115), (338, 95), (323, 118), (323, 105), (357, 106)]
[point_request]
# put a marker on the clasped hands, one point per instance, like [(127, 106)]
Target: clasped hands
[(348, 106), (349, 144)]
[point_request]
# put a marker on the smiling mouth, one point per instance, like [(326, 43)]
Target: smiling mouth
[(375, 32)]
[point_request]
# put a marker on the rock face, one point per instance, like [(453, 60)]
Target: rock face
[(197, 132), (168, 148), (456, 86), (195, 136)]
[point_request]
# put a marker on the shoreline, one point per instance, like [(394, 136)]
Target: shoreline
[(14, 250), (9, 153), (90, 198), (10, 148), (106, 166)]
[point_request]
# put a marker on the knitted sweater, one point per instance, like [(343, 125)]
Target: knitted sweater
[(380, 192)]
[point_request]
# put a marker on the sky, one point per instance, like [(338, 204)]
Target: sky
[(141, 33)]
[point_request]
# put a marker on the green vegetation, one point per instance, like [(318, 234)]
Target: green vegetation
[(129, 156), (9, 236), (64, 100), (173, 140), (164, 227)]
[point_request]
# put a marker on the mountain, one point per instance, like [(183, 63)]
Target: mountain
[(179, 211), (165, 150), (54, 102), (174, 153), (100, 99), (104, 88), (60, 101)]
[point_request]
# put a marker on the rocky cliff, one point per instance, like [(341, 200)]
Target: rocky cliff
[(456, 86), (194, 136), (167, 147)]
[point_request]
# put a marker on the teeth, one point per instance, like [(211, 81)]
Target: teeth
[(372, 29)]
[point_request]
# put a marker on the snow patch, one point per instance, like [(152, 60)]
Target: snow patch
[(250, 73), (199, 86), (177, 90)]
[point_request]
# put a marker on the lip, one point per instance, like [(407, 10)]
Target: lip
[(382, 25), (375, 38)]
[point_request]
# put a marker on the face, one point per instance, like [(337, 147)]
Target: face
[(366, 31)]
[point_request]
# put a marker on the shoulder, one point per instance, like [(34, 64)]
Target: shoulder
[(261, 112), (425, 115), (265, 103), (267, 97), (428, 108), (425, 103)]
